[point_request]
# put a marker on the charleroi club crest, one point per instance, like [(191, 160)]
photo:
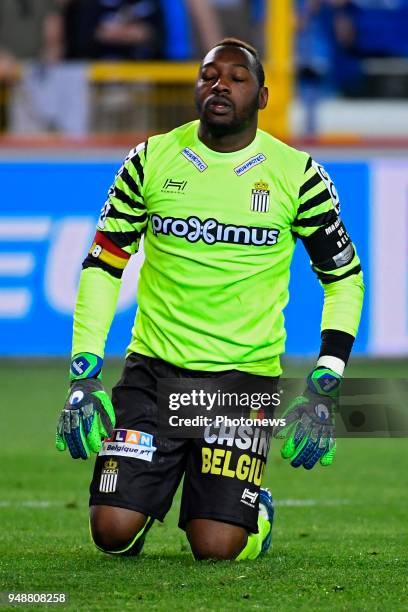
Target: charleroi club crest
[(109, 477), (260, 197)]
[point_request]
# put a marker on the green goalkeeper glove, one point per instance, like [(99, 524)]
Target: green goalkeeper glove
[(309, 429), (88, 415)]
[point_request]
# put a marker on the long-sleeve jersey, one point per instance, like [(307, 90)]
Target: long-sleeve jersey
[(219, 235)]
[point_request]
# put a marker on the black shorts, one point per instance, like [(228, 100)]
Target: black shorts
[(140, 470)]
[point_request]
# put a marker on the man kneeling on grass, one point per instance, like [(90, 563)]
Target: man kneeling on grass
[(220, 204)]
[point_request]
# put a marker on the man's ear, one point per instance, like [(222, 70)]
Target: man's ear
[(263, 98)]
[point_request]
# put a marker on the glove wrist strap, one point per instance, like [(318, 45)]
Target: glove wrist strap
[(85, 365), (333, 363)]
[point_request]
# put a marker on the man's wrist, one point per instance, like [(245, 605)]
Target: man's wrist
[(85, 365), (336, 343), (333, 363)]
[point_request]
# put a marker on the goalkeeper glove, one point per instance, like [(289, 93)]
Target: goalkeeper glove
[(309, 429), (88, 414)]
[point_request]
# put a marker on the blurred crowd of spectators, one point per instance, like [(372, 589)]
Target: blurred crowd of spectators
[(335, 37), (332, 38), (51, 91), (55, 30)]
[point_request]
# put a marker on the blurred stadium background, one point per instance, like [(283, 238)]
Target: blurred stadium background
[(83, 81)]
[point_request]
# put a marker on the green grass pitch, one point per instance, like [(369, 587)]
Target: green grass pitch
[(340, 539)]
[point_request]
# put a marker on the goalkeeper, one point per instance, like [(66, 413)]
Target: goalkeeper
[(221, 205)]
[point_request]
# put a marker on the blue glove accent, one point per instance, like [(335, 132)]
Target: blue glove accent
[(85, 365), (314, 458), (324, 381), (304, 454)]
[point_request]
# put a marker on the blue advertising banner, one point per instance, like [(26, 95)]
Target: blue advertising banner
[(303, 313), (47, 220)]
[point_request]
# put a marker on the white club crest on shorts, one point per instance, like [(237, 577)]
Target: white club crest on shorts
[(260, 197), (109, 477)]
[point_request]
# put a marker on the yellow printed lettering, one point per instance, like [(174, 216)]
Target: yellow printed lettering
[(226, 469), (206, 460), (242, 467), (251, 471), (258, 472), (218, 454)]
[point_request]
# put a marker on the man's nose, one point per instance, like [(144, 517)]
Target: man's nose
[(221, 84)]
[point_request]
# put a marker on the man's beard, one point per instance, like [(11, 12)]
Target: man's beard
[(223, 129), (234, 126)]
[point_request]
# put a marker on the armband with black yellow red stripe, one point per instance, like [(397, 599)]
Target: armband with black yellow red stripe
[(106, 255)]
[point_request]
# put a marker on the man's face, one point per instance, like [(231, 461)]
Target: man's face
[(227, 92)]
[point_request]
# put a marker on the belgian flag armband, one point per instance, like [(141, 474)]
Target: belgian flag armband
[(106, 255)]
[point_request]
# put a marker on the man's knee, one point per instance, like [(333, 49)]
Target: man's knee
[(215, 540), (115, 530)]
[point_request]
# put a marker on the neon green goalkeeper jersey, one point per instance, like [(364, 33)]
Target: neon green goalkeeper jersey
[(219, 234)]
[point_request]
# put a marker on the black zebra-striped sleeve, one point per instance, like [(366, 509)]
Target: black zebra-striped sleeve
[(318, 224), (123, 217), (333, 258)]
